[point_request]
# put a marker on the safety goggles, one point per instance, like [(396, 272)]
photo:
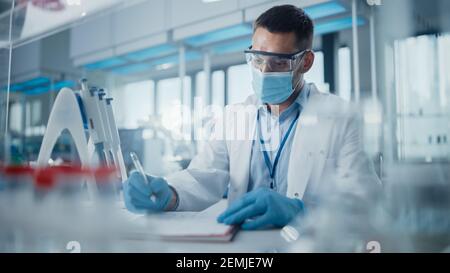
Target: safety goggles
[(273, 62)]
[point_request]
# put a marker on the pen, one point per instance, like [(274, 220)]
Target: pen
[(138, 165)]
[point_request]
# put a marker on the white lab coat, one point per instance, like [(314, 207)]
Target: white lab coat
[(327, 142)]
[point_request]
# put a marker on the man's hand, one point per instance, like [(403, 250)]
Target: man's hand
[(155, 195), (267, 207)]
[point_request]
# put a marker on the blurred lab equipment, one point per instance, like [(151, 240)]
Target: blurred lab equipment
[(164, 151), (77, 111), (337, 219), (417, 210), (43, 208), (410, 215), (159, 153)]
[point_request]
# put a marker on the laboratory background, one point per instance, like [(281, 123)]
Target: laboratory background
[(158, 62)]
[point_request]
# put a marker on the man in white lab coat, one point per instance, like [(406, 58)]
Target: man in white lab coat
[(293, 142)]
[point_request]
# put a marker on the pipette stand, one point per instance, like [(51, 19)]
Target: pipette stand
[(71, 112)]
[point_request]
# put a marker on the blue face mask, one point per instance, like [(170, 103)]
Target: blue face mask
[(272, 87)]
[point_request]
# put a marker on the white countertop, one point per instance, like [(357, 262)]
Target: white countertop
[(244, 241)]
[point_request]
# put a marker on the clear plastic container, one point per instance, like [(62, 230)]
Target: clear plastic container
[(70, 182), (106, 179), (419, 211), (59, 196), (17, 178), (43, 209), (2, 179), (15, 204)]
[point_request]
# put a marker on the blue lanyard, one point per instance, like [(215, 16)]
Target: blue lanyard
[(277, 156)]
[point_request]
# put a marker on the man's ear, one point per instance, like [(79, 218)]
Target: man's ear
[(307, 62)]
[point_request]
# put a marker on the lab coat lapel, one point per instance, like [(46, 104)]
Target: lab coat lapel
[(240, 156), (304, 148)]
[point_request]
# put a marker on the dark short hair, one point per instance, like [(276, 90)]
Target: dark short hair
[(286, 19)]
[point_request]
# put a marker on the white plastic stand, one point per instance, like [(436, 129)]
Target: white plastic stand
[(67, 115)]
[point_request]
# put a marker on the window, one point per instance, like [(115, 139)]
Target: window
[(36, 110), (316, 74), (200, 86), (239, 83), (218, 87), (134, 103), (168, 93), (218, 82), (15, 117), (422, 88), (345, 74), (170, 101)]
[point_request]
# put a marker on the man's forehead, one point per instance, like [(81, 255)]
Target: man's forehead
[(265, 40)]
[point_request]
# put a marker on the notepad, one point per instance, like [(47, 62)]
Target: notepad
[(189, 226), (195, 230)]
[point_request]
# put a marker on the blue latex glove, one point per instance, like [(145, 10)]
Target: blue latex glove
[(138, 195), (266, 207)]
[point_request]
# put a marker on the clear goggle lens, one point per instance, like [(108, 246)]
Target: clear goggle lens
[(273, 63)]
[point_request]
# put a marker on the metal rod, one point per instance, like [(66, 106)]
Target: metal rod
[(356, 80), (208, 81), (182, 71), (9, 68), (373, 56)]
